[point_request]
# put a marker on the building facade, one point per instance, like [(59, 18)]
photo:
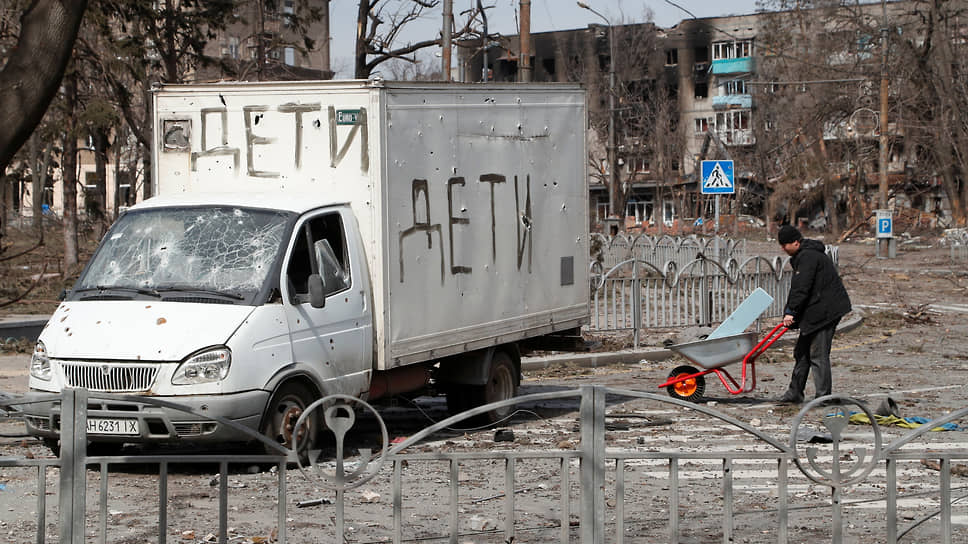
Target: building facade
[(724, 97)]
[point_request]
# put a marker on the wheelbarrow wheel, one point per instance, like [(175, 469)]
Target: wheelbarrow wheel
[(691, 390)]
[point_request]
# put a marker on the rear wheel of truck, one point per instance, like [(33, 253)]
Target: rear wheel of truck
[(279, 422), (53, 444), (502, 384)]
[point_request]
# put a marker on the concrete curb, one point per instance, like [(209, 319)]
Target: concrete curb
[(22, 326), (631, 356)]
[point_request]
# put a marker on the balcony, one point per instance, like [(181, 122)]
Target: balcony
[(743, 65), (736, 137), (743, 101)]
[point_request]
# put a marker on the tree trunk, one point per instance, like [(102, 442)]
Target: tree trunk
[(33, 72), (39, 165), (69, 175), (101, 180), (146, 145), (950, 182), (118, 140), (362, 19), (829, 199)]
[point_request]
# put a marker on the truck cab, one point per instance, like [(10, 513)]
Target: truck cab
[(247, 307)]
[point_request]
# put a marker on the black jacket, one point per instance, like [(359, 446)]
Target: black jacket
[(817, 296)]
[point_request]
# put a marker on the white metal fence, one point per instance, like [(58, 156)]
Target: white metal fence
[(596, 482), (957, 240), (637, 294), (659, 250)]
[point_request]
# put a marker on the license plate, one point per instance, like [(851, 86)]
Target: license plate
[(113, 426)]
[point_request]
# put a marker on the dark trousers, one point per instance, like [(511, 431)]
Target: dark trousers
[(812, 353)]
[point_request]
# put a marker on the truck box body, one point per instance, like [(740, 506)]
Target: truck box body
[(471, 200), (315, 238)]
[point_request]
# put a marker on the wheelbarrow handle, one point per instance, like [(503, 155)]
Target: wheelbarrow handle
[(766, 342)]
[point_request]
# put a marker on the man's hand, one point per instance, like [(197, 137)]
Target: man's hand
[(787, 320)]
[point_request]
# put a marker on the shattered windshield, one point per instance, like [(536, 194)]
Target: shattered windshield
[(217, 251)]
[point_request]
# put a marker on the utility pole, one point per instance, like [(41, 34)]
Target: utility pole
[(324, 46), (445, 39), (885, 245), (882, 186), (485, 42), (613, 196), (524, 60)]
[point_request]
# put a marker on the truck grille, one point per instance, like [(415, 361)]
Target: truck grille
[(109, 377)]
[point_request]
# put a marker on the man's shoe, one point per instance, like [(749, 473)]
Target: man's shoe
[(790, 398)]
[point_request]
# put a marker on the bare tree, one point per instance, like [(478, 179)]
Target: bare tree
[(815, 58), (69, 172), (934, 98), (422, 67), (380, 27), (33, 71)]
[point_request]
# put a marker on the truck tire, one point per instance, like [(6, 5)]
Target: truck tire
[(53, 444), (279, 421), (502, 384)]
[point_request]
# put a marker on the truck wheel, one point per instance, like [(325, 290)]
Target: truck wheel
[(459, 398), (691, 390), (279, 422), (502, 384), (53, 444)]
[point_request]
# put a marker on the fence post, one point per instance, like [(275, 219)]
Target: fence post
[(636, 302), (73, 476), (592, 417), (704, 293)]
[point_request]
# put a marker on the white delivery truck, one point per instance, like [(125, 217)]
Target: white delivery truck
[(309, 238)]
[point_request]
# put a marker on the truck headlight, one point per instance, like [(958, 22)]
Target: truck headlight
[(205, 367), (40, 363)]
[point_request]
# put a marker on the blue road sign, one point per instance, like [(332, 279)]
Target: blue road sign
[(885, 223), (717, 178)]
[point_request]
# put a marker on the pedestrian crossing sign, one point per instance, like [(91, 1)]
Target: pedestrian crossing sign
[(717, 178)]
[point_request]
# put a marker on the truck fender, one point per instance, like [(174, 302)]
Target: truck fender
[(472, 368), (293, 371)]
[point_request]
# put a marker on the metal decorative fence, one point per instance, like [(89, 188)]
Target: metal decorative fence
[(638, 294), (596, 482), (635, 295), (957, 240), (658, 250)]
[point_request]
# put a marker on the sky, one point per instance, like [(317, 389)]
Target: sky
[(546, 15)]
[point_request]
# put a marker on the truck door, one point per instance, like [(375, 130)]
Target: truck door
[(336, 339)]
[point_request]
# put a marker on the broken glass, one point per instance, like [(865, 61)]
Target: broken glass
[(206, 251)]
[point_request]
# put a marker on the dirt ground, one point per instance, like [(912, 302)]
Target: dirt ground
[(910, 346)]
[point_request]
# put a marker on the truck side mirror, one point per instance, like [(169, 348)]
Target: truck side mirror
[(63, 295), (317, 292)]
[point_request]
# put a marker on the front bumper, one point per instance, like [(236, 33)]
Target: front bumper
[(192, 421)]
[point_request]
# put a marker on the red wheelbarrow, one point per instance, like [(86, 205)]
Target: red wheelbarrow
[(711, 355)]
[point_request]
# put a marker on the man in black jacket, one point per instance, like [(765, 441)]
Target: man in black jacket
[(816, 302)]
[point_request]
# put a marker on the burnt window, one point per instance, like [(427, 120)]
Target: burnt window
[(549, 67), (702, 54), (702, 90), (672, 57)]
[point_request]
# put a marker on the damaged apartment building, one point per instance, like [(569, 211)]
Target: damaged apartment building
[(700, 90)]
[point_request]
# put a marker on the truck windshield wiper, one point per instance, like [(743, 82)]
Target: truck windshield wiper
[(192, 289), (140, 290)]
